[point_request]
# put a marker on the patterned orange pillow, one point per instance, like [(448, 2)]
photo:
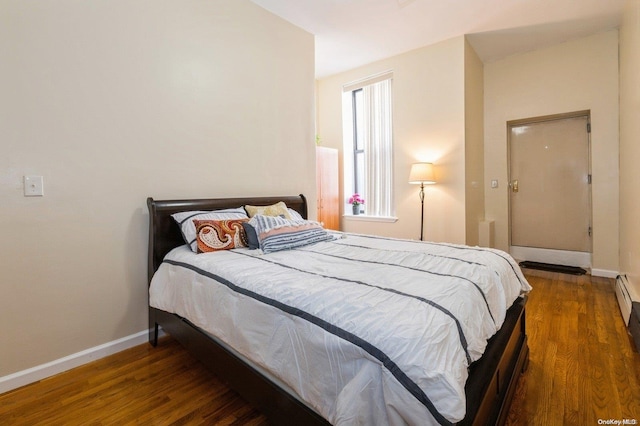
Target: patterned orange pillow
[(215, 235)]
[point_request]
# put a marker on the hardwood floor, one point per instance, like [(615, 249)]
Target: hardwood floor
[(582, 368), (143, 385), (582, 365)]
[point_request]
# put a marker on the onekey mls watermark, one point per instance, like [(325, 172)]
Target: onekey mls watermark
[(617, 421)]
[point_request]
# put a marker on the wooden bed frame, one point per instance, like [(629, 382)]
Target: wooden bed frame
[(489, 389)]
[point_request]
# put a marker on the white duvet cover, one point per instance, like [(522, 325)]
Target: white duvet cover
[(365, 330)]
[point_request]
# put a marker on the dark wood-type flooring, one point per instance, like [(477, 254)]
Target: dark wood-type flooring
[(582, 369)]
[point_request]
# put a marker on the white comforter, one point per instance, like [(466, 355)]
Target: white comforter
[(365, 330)]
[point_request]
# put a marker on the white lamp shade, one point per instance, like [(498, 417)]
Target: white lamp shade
[(422, 173)]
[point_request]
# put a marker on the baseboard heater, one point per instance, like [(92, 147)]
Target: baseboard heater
[(630, 309), (624, 298)]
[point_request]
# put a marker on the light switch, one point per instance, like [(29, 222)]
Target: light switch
[(33, 186), (494, 183)]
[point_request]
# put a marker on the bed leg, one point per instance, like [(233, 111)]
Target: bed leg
[(153, 328), (153, 335)]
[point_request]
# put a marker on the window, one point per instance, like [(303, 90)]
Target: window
[(368, 144), (358, 142)]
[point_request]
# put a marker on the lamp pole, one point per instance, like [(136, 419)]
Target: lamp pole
[(422, 212), (422, 173)]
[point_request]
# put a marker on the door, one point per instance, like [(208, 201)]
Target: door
[(550, 196), (328, 187)]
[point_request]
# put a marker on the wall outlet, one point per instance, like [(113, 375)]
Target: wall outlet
[(33, 186)]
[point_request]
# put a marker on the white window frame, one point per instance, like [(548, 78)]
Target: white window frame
[(379, 198)]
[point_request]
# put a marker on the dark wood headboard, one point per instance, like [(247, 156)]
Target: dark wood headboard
[(164, 233)]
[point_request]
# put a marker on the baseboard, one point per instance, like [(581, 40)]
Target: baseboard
[(557, 257), (31, 375), (605, 273)]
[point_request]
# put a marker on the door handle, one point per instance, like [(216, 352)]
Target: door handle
[(514, 185)]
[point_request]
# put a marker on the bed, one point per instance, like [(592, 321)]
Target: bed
[(292, 399)]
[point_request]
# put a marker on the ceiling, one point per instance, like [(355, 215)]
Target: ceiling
[(350, 33)]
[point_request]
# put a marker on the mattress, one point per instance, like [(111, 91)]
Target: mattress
[(365, 330)]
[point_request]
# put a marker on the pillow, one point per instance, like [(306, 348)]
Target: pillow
[(215, 235), (252, 236), (294, 214), (276, 233), (277, 209), (188, 229)]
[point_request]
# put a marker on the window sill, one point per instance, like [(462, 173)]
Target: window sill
[(366, 218)]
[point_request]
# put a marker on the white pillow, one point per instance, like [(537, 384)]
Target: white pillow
[(277, 209), (294, 214), (188, 229)]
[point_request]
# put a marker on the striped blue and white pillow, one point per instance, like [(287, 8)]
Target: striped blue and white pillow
[(276, 233)]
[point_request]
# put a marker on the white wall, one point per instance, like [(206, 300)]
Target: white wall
[(114, 101), (577, 75), (429, 125), (630, 144)]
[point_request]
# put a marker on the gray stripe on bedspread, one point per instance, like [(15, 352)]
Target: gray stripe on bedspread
[(463, 339), (412, 268), (391, 366), (453, 246)]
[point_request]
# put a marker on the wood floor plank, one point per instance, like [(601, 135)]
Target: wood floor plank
[(572, 350), (584, 359), (587, 344), (582, 368)]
